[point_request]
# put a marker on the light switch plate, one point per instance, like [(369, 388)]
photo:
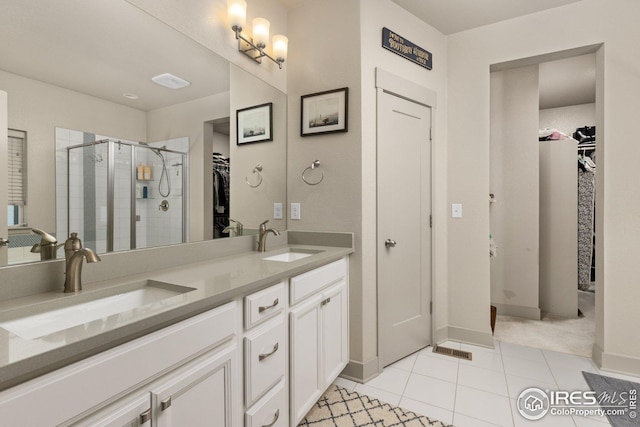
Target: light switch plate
[(456, 210), (277, 211), (295, 210)]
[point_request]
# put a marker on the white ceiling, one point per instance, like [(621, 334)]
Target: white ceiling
[(107, 48), (452, 16), (565, 82), (104, 49)]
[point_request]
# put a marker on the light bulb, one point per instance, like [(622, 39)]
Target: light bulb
[(237, 13), (260, 31), (280, 44)]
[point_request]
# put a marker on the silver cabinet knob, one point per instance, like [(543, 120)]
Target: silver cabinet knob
[(390, 243)]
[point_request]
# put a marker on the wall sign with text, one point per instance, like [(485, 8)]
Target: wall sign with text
[(403, 47)]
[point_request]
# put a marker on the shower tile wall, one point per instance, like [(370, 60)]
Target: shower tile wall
[(88, 192), (84, 184), (157, 227)]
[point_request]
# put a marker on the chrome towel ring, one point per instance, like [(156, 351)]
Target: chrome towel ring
[(256, 171), (314, 165)]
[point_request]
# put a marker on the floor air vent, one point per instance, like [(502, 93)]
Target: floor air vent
[(460, 354)]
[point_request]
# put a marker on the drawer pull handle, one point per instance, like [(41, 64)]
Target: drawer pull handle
[(261, 357), (145, 416), (325, 302), (277, 415), (165, 404), (267, 307)]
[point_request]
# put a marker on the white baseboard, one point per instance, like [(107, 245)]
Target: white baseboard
[(464, 335), (616, 362), (361, 372), (532, 313)]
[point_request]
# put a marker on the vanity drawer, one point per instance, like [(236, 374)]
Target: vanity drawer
[(313, 281), (265, 352), (270, 411), (263, 305)]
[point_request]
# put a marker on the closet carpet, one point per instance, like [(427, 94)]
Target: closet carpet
[(574, 336)]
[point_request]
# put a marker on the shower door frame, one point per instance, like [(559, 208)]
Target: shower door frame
[(111, 189)]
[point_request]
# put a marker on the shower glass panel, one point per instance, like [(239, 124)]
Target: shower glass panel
[(124, 196)]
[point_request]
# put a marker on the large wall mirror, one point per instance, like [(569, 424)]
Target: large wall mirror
[(124, 161)]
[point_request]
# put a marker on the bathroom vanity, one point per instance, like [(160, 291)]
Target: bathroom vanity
[(251, 339)]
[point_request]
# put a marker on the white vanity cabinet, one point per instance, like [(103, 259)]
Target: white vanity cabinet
[(261, 360), (318, 334), (108, 388), (265, 358)]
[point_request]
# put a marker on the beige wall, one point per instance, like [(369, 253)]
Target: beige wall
[(568, 119), (188, 119), (215, 33), (558, 228), (318, 63), (514, 180), (376, 14), (251, 206), (37, 108), (4, 176), (346, 200), (470, 55)]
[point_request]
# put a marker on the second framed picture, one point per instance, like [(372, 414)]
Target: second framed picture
[(255, 124), (324, 112)]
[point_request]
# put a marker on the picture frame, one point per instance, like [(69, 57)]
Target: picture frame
[(324, 112), (254, 124)]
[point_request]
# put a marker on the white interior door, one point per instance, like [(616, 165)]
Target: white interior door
[(4, 251), (404, 230)]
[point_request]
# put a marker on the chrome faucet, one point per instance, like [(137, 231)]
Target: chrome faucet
[(237, 228), (74, 254), (262, 239), (48, 246)]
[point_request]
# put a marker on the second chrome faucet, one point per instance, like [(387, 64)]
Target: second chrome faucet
[(74, 254), (262, 237)]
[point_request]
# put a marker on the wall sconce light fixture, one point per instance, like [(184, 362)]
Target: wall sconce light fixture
[(254, 46)]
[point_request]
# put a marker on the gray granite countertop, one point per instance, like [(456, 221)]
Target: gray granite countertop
[(214, 282)]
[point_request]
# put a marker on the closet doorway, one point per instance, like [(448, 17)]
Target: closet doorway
[(534, 213), (404, 229)]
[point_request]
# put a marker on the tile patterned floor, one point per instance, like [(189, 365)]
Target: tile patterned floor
[(481, 392)]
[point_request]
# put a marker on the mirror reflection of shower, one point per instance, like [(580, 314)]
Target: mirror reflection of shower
[(164, 175), (101, 195)]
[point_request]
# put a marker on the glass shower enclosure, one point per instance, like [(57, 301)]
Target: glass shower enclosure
[(122, 195)]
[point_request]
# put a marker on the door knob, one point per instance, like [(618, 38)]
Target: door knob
[(3, 241), (390, 243)]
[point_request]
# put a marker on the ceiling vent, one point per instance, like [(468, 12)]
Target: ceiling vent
[(170, 81)]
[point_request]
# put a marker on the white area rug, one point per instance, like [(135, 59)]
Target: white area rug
[(574, 336)]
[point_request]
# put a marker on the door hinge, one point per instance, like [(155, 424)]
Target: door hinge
[(430, 307), (430, 134), (430, 221)]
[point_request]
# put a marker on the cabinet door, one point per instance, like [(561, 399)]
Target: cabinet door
[(265, 358), (201, 394), (305, 345), (128, 412), (335, 326)]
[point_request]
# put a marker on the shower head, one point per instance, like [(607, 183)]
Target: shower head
[(155, 150)]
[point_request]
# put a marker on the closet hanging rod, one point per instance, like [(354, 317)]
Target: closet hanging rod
[(586, 146)]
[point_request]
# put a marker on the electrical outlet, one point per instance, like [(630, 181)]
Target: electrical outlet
[(295, 210), (456, 210), (277, 211)]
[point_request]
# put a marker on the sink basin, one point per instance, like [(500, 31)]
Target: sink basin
[(292, 255), (73, 310)]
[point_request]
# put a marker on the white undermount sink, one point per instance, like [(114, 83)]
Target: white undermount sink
[(292, 255), (73, 310)]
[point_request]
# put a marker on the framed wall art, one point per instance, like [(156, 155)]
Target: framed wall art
[(255, 124), (324, 112)]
